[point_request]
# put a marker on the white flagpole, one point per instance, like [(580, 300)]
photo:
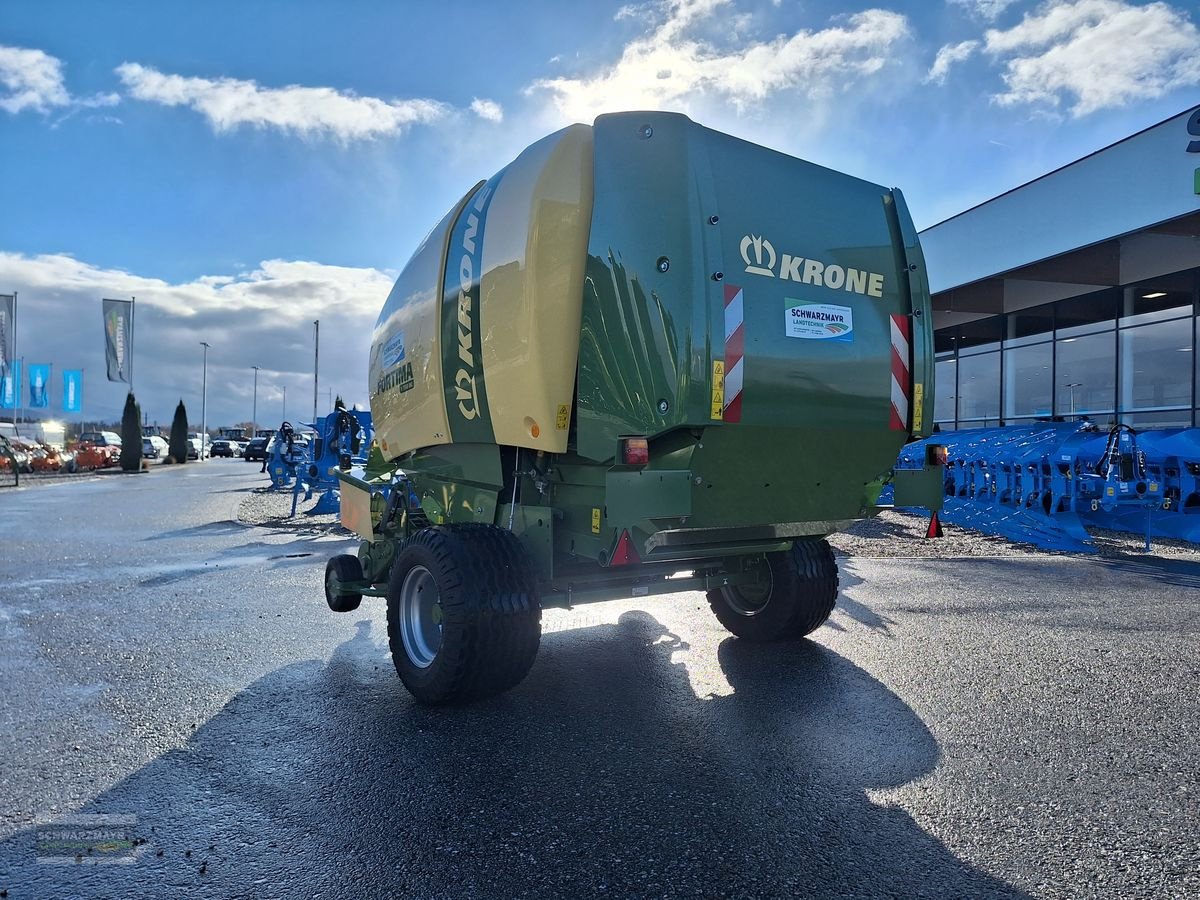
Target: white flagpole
[(15, 380)]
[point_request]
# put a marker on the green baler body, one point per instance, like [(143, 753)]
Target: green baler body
[(701, 249)]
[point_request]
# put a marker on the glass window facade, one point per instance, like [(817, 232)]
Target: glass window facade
[(979, 388), (1155, 364), (946, 376), (1028, 381), (1119, 354), (1085, 376)]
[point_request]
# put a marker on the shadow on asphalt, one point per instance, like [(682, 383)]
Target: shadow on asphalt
[(859, 612), (602, 773), (1173, 572)]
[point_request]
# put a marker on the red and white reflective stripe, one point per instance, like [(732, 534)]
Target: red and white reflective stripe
[(901, 380), (735, 349)]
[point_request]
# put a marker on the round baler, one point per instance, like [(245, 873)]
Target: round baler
[(644, 357)]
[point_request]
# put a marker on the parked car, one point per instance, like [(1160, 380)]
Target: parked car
[(195, 448), (101, 438), (256, 449), (224, 448), (149, 450)]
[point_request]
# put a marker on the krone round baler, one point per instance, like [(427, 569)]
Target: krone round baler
[(644, 357)]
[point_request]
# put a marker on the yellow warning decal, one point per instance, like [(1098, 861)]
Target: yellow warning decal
[(918, 405), (595, 520), (562, 417), (718, 389)]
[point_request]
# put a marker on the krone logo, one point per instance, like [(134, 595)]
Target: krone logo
[(759, 256), (764, 255)]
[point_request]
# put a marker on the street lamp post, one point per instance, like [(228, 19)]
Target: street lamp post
[(254, 412), (1072, 386), (204, 401)]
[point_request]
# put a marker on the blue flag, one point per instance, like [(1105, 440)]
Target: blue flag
[(10, 385), (39, 385), (73, 390)]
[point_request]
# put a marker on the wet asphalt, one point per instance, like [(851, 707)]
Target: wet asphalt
[(984, 727)]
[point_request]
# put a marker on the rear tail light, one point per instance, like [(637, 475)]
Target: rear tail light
[(635, 451), (936, 455)]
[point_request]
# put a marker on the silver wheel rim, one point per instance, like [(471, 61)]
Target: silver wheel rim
[(420, 617), (749, 605)]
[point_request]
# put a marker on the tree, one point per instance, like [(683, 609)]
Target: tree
[(178, 448), (131, 435)]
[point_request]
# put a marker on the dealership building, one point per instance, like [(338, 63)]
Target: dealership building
[(1076, 294)]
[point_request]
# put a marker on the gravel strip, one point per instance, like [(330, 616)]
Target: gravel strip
[(898, 534), (273, 508)]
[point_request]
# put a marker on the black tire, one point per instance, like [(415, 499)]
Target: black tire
[(489, 618), (800, 597), (339, 570)]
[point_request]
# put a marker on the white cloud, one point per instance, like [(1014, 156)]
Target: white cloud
[(305, 111), (262, 317), (989, 10), (34, 80), (1095, 54), (487, 109), (948, 56), (670, 67), (31, 80)]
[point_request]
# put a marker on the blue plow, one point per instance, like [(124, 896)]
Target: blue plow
[(1045, 484)]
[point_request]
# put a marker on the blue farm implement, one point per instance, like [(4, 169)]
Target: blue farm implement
[(284, 457), (1047, 483), (342, 440)]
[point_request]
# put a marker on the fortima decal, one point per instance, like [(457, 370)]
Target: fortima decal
[(759, 256)]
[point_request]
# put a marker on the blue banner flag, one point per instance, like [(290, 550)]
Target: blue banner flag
[(10, 385), (39, 385), (73, 390)]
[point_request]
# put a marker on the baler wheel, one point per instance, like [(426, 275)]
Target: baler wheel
[(340, 569), (796, 601), (464, 621)]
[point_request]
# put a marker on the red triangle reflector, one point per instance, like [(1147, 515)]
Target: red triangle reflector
[(625, 554), (935, 527)]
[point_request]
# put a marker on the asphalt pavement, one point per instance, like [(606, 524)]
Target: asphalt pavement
[(974, 727)]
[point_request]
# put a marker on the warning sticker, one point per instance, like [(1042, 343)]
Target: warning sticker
[(819, 322), (918, 405), (595, 520), (562, 418), (718, 389)]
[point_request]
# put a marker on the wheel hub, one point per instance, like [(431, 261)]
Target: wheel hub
[(420, 617), (752, 598)]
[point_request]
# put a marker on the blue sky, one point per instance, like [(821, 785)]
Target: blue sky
[(244, 168)]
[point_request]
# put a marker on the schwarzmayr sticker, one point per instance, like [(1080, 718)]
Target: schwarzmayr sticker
[(819, 322)]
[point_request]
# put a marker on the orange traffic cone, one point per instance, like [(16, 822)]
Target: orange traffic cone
[(935, 527)]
